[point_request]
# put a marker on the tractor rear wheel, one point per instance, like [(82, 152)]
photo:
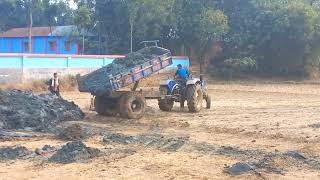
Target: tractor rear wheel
[(106, 106), (165, 104), (194, 98), (132, 106)]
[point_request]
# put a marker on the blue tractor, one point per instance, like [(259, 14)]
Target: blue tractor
[(194, 91)]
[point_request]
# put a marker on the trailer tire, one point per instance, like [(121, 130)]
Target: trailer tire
[(105, 106), (194, 98), (132, 106)]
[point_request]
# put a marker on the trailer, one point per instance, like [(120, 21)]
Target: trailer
[(113, 97)]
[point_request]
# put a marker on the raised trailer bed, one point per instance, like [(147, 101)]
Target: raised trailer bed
[(127, 103)]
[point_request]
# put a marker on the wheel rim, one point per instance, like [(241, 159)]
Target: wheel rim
[(136, 106)]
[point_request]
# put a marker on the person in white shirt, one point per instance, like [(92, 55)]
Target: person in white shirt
[(54, 85)]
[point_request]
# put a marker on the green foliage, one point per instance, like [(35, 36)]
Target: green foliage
[(14, 13), (282, 35), (234, 67), (83, 17), (213, 24), (246, 64)]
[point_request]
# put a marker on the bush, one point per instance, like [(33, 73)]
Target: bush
[(234, 67)]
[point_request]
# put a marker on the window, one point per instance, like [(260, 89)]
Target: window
[(67, 46), (26, 46), (52, 45)]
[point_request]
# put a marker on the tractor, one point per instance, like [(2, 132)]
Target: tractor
[(194, 91)]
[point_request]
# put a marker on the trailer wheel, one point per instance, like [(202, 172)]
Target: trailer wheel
[(132, 106), (105, 106), (194, 98)]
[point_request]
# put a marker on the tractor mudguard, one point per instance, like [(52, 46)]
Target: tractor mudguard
[(193, 81)]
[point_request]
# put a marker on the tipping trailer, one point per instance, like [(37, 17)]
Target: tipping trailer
[(111, 97)]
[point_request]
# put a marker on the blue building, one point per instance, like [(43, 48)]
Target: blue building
[(45, 40)]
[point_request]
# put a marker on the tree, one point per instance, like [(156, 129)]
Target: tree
[(213, 24), (133, 9), (31, 6), (50, 13), (83, 20), (113, 26)]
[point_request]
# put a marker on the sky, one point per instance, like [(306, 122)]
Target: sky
[(72, 4)]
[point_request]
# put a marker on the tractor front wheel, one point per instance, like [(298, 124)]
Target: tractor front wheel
[(194, 98), (165, 104)]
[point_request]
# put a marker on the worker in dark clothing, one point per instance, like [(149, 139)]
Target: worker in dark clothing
[(182, 73), (54, 85)]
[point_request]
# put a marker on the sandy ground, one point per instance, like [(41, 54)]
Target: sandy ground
[(259, 117)]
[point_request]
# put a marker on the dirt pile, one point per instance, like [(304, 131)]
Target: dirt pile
[(238, 168), (7, 134), (26, 111), (12, 153), (315, 126), (98, 83), (72, 132), (45, 149), (74, 151), (154, 141)]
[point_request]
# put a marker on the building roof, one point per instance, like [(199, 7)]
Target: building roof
[(41, 31)]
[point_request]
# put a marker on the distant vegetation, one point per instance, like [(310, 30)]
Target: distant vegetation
[(275, 37)]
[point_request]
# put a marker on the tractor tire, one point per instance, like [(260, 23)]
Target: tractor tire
[(131, 106), (165, 104), (105, 106), (208, 102), (182, 100), (194, 98)]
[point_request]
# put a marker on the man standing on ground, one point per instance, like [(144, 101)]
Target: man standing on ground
[(54, 85)]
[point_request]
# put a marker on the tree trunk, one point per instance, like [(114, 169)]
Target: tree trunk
[(30, 29), (131, 37), (202, 56), (201, 64), (50, 26), (82, 43)]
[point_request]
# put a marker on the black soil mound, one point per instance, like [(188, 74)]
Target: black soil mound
[(12, 153), (74, 151), (238, 168), (22, 110), (155, 141)]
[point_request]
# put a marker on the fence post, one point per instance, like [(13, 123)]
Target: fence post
[(22, 68), (68, 59)]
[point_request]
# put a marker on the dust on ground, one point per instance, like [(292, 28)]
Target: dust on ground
[(254, 131)]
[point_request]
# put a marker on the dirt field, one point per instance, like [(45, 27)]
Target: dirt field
[(254, 123)]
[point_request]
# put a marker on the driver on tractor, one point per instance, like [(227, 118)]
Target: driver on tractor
[(182, 74)]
